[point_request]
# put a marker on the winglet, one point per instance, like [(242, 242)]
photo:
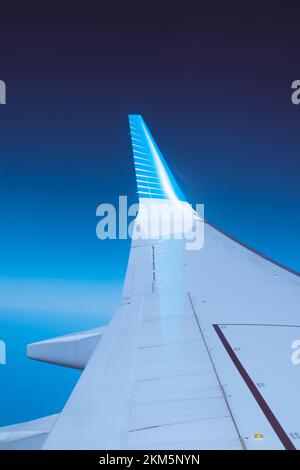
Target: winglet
[(154, 178)]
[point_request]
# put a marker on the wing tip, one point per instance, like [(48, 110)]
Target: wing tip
[(132, 118)]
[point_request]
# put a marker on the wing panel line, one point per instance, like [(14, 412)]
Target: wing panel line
[(217, 376), (287, 443)]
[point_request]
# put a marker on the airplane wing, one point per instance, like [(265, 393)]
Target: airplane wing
[(198, 354)]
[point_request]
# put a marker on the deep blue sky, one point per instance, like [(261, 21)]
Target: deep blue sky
[(213, 83)]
